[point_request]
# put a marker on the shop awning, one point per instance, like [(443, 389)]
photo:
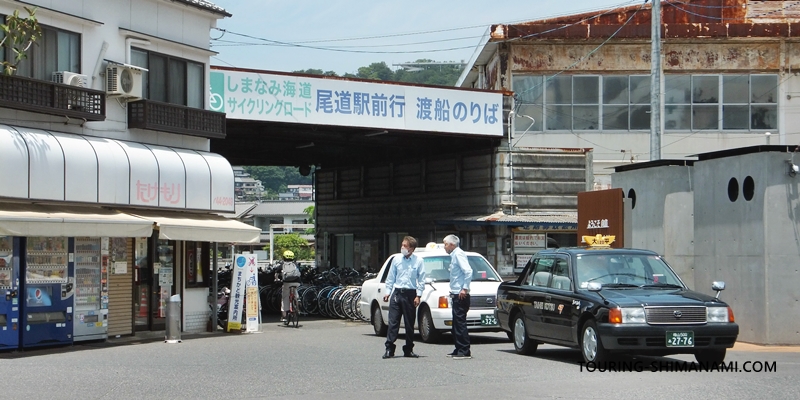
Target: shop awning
[(200, 227), (40, 220)]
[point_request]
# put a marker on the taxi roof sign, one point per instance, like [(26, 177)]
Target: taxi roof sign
[(434, 246), (599, 241)]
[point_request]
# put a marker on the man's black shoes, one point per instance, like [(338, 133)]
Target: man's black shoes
[(388, 354), (411, 354)]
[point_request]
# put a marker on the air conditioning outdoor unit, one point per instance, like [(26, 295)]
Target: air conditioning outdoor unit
[(70, 78), (124, 81)]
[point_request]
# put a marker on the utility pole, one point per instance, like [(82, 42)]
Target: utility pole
[(655, 81)]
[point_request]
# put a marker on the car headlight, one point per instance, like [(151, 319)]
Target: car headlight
[(627, 315), (717, 314)]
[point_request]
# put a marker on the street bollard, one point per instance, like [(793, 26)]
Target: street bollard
[(173, 333)]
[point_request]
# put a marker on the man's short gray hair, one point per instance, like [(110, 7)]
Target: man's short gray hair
[(452, 239)]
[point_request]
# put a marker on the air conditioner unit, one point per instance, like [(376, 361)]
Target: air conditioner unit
[(70, 78), (124, 81)]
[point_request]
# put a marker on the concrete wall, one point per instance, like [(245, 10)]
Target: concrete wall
[(662, 214), (752, 245), (749, 238)]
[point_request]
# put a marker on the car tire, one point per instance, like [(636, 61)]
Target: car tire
[(510, 336), (522, 343), (377, 322), (591, 346), (427, 331), (710, 357)]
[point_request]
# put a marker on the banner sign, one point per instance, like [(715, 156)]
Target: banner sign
[(530, 240), (252, 292), (299, 99), (236, 302)]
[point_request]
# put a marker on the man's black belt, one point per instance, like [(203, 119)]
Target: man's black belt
[(403, 290)]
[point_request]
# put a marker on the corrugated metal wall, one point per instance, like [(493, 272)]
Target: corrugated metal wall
[(404, 197), (546, 180)]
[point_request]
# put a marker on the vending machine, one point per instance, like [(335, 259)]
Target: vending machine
[(91, 289), (46, 292), (9, 293)]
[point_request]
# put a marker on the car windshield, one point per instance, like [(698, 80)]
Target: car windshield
[(625, 270), (437, 268)]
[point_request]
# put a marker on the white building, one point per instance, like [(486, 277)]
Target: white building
[(117, 148)]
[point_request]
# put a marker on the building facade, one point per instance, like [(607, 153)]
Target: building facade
[(583, 80), (110, 196)]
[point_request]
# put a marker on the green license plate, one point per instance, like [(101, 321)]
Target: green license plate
[(488, 319), (680, 339)]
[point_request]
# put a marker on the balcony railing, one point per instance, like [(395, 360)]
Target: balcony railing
[(154, 115), (27, 94)]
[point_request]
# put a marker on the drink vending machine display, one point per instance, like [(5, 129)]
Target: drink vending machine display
[(91, 288), (46, 292), (9, 294)]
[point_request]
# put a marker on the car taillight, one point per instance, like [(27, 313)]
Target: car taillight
[(443, 302), (615, 316)]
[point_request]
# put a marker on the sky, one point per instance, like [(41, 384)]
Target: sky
[(343, 35)]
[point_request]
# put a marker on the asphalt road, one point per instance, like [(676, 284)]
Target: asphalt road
[(330, 359)]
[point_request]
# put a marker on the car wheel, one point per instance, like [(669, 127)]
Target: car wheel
[(427, 331), (591, 345), (710, 357), (377, 322), (522, 343)]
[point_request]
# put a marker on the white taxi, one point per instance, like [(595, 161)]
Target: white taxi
[(434, 315)]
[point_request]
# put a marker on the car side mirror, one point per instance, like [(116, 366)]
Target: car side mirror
[(594, 286), (428, 280), (718, 286)]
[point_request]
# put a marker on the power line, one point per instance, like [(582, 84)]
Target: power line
[(302, 44), (436, 30), (580, 60)]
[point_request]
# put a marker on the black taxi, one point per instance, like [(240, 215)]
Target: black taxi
[(606, 300)]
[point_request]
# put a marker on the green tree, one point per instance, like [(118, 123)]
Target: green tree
[(310, 212), (293, 242), (19, 34), (313, 71), (376, 71)]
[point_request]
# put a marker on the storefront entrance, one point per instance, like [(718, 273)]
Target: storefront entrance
[(154, 282)]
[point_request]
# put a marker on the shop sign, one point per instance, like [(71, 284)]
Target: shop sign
[(522, 259), (252, 292), (534, 240)]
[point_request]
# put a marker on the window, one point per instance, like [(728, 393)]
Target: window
[(57, 50), (626, 102), (171, 79), (727, 102), (622, 102), (196, 263)]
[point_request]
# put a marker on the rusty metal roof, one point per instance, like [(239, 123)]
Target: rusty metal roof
[(552, 219), (680, 19), (205, 5)]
